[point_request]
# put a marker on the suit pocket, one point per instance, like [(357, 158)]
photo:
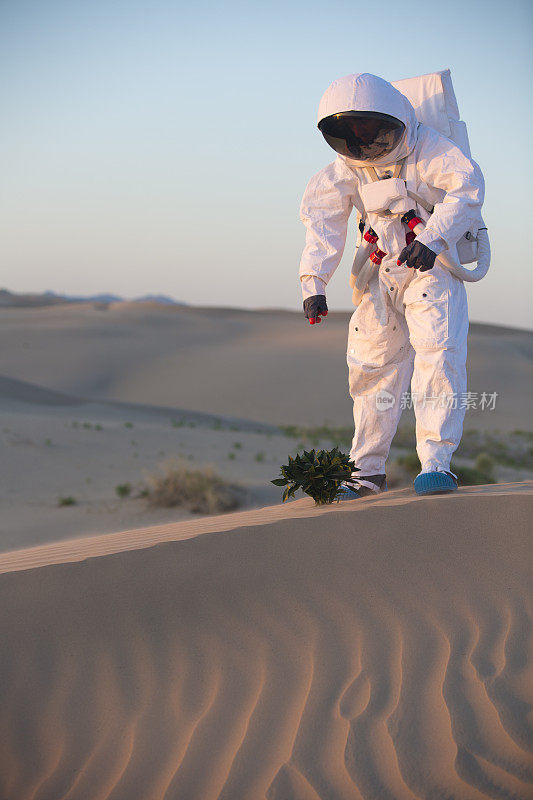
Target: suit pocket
[(427, 313)]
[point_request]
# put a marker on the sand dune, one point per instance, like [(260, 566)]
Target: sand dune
[(258, 365), (379, 649), (93, 397)]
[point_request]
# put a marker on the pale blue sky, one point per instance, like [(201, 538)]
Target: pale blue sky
[(164, 148)]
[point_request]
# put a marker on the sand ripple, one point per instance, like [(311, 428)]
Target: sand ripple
[(382, 652)]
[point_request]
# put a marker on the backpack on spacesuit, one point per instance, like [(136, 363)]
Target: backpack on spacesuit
[(434, 103), (433, 99)]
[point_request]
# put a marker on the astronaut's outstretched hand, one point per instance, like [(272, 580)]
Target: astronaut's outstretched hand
[(417, 255), (315, 307)]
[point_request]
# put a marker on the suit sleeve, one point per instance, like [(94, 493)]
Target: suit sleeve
[(325, 209), (442, 164)]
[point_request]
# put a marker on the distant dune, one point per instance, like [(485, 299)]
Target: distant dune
[(268, 366), (37, 300), (378, 650)]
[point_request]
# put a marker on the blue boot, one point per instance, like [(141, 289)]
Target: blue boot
[(435, 483), (353, 489)]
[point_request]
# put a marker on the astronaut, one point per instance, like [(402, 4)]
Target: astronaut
[(411, 325)]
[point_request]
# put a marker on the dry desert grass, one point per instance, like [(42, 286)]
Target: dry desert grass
[(201, 491)]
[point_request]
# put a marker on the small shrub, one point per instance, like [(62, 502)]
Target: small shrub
[(338, 436), (201, 490), (128, 424), (509, 449), (404, 437), (318, 474), (237, 445), (469, 476), (410, 462), (260, 457), (519, 432), (290, 430), (485, 464), (48, 442), (479, 475), (66, 501), (123, 489), (98, 428), (231, 456)]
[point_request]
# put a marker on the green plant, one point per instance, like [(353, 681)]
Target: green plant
[(123, 489), (260, 457), (128, 424), (237, 445), (231, 456), (48, 442), (66, 501), (318, 474)]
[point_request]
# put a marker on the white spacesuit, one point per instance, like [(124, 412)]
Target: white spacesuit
[(411, 324)]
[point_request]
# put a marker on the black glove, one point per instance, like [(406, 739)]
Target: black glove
[(418, 256), (314, 307)]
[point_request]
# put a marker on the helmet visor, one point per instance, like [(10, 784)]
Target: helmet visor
[(363, 135)]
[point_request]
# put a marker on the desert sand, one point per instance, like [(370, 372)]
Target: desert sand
[(269, 366), (95, 395), (376, 649), (380, 648)]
